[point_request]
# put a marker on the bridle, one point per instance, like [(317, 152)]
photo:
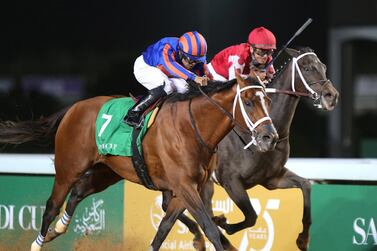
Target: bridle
[(246, 118), (311, 93), (237, 99)]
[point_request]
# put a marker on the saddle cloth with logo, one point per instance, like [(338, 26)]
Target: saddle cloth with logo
[(113, 136)]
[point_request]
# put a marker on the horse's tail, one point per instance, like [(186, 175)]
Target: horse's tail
[(41, 131)]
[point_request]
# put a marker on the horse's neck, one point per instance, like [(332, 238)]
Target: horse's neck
[(213, 124), (283, 105)]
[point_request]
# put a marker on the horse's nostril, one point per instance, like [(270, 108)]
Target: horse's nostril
[(266, 138), (328, 95)]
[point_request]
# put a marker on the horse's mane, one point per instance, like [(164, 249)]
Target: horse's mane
[(212, 87), (287, 57), (303, 49)]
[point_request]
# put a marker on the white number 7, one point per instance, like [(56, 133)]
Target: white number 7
[(108, 119)]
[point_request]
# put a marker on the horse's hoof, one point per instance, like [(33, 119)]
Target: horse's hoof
[(51, 234), (220, 220), (35, 247), (199, 243), (232, 249), (302, 242)]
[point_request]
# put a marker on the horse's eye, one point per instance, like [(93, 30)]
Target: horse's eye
[(248, 103), (306, 68)]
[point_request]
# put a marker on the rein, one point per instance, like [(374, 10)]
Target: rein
[(287, 92), (197, 133), (251, 126), (246, 145)]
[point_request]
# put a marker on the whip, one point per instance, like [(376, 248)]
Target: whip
[(298, 32)]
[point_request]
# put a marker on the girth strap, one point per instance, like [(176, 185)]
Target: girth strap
[(139, 164)]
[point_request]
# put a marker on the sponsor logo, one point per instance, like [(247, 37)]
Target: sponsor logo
[(92, 220), (29, 217), (260, 234), (225, 206), (364, 232), (108, 146), (26, 217)]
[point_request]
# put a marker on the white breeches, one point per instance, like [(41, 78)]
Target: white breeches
[(151, 77)]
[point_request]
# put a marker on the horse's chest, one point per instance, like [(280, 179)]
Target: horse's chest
[(201, 174), (260, 172)]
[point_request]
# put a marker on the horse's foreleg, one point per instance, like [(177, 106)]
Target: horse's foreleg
[(206, 194), (199, 242), (173, 208), (192, 201), (292, 180), (93, 181), (238, 194)]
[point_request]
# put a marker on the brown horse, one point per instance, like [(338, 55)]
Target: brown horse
[(177, 148), (237, 171)]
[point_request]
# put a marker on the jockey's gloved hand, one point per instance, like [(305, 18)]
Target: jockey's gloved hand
[(202, 81)]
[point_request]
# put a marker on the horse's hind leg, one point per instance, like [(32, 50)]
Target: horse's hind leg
[(92, 181), (56, 200), (292, 180), (67, 173)]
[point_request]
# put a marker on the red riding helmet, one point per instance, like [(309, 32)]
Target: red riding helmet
[(262, 38), (194, 45)]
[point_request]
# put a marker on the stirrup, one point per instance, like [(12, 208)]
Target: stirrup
[(136, 121)]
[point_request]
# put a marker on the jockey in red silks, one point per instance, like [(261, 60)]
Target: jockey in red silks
[(164, 67), (244, 58)]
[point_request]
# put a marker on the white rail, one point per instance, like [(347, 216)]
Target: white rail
[(334, 169), (316, 168), (27, 163)]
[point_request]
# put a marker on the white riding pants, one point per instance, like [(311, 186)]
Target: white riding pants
[(151, 77)]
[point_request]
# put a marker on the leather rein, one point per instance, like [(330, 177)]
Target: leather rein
[(225, 112)]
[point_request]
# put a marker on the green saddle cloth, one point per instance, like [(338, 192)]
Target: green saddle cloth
[(113, 135)]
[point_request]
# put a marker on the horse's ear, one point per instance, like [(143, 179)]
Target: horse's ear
[(292, 52), (240, 79)]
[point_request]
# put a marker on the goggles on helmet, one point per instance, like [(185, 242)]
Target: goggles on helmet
[(188, 58), (263, 52)]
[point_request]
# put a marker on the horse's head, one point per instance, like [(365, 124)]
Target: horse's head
[(250, 110), (308, 75)]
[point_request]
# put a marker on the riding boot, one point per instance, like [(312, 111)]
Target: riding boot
[(134, 115)]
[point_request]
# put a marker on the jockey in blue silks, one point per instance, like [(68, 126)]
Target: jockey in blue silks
[(165, 66)]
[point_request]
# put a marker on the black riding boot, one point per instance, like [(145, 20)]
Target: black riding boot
[(134, 115)]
